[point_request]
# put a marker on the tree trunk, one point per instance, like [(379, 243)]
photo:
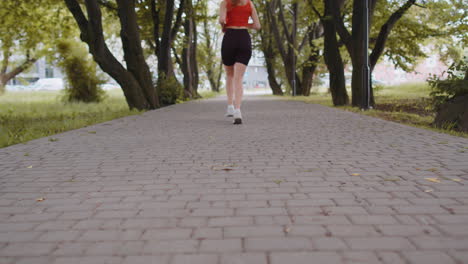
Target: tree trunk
[(312, 61), (275, 87), (194, 61), (5, 76), (286, 53), (213, 70), (3, 83), (333, 58), (92, 33), (382, 38), (133, 52), (268, 51), (189, 61)]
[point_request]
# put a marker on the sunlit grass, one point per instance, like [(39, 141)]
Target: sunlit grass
[(407, 104), (404, 91), (29, 115)]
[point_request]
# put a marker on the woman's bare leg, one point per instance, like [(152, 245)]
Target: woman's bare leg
[(239, 70), (229, 83)]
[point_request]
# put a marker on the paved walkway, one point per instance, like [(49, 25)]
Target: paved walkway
[(296, 184)]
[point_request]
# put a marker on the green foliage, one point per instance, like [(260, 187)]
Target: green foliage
[(29, 28), (170, 90), (82, 80), (29, 115), (455, 85)]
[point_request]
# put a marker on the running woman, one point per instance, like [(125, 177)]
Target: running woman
[(236, 49)]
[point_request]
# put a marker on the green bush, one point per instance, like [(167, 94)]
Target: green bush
[(170, 91), (82, 80), (455, 85)]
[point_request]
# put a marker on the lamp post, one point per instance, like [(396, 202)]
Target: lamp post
[(365, 104), (293, 36)]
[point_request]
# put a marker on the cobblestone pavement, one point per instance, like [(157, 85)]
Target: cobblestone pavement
[(295, 184)]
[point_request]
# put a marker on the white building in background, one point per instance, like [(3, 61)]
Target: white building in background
[(256, 75), (39, 70)]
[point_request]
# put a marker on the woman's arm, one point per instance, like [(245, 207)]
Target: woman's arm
[(222, 13), (256, 22)]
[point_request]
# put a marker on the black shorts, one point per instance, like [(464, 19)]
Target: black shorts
[(236, 47)]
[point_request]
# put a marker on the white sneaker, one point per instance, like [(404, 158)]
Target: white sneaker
[(230, 111), (237, 117)]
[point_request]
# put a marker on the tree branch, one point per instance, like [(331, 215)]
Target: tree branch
[(155, 17), (341, 29), (276, 33), (315, 10), (385, 32), (80, 18), (6, 59), (107, 5), (26, 64), (178, 21), (283, 22), (177, 58)]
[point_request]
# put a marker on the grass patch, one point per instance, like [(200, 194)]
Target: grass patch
[(25, 116), (30, 115), (408, 104), (208, 94)]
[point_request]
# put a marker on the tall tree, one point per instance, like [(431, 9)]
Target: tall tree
[(290, 44), (354, 44), (208, 58), (135, 80), (27, 32), (267, 46), (189, 63), (332, 54)]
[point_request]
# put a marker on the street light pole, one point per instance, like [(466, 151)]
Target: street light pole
[(294, 29), (365, 104)]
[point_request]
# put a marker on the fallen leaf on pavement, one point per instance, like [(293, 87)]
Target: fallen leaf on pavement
[(29, 167), (355, 174), (40, 199), (456, 180), (436, 180), (391, 179), (278, 181), (429, 190)]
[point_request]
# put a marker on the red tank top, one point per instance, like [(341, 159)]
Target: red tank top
[(238, 16)]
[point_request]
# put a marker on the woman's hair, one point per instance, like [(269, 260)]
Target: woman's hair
[(235, 2)]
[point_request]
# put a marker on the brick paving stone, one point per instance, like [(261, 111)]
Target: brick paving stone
[(172, 246), (167, 234), (428, 257), (151, 188), (305, 258), (195, 259), (33, 260), (27, 249), (271, 244), (329, 243), (244, 258), (88, 260), (146, 260), (379, 243), (360, 257), (221, 245)]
